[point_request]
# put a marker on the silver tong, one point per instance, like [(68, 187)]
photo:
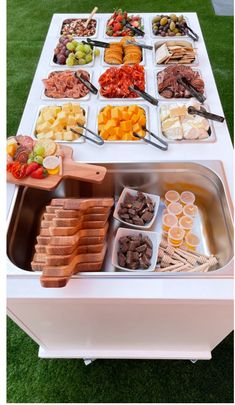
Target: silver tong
[(98, 141), (130, 42), (164, 148)]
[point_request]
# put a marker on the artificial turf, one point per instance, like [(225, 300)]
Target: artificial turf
[(69, 381)]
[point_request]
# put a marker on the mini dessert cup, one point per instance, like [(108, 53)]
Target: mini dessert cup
[(175, 208), (187, 197), (168, 221), (192, 241), (186, 223), (171, 196), (175, 236), (190, 210)]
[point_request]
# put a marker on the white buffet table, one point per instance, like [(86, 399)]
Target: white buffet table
[(125, 318)]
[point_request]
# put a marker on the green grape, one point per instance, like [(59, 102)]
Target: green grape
[(75, 62), (69, 62), (89, 58), (79, 54), (71, 56), (38, 159), (30, 160), (75, 43), (70, 46), (87, 48), (80, 47), (97, 52), (82, 62), (39, 150), (31, 155)]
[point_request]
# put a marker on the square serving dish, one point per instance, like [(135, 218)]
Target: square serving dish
[(85, 98), (143, 61), (131, 191), (155, 238), (173, 41), (80, 36), (74, 67), (116, 104), (159, 36), (85, 112), (158, 95), (136, 36), (210, 139)]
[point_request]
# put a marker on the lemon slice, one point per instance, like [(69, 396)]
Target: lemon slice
[(52, 164)]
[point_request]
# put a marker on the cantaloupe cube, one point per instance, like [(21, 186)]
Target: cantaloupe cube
[(112, 138), (110, 124), (125, 116), (136, 128), (127, 136), (107, 112), (100, 127)]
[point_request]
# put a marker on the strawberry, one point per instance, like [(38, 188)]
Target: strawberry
[(110, 22), (117, 27), (119, 18), (135, 24), (39, 173)]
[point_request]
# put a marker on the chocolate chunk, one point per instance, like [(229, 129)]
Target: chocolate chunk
[(141, 248), (130, 257), (143, 264), (145, 260), (149, 253), (148, 241), (124, 216), (129, 199), (122, 211), (131, 212), (147, 216), (138, 205), (134, 265), (124, 247), (138, 221), (133, 245), (129, 221), (121, 259)]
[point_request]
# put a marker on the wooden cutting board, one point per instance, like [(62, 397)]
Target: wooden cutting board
[(71, 169)]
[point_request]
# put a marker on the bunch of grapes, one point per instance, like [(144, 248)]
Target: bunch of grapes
[(71, 52)]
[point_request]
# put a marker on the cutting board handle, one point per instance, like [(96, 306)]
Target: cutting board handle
[(85, 172)]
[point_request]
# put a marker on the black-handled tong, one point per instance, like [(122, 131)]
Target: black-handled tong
[(137, 31), (199, 96), (86, 83), (165, 147), (99, 140), (143, 94), (205, 114), (193, 34), (100, 44), (139, 44)]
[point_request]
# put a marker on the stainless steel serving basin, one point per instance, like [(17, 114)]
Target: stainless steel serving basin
[(209, 184)]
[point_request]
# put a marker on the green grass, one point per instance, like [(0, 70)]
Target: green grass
[(116, 381), (35, 380)]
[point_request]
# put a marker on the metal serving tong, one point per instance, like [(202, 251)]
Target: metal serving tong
[(193, 34), (137, 31), (165, 147), (143, 94), (99, 140), (100, 44), (203, 113), (129, 41), (199, 96), (86, 83)]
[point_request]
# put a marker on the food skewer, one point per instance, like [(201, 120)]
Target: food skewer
[(99, 140), (143, 94), (95, 9), (205, 114)]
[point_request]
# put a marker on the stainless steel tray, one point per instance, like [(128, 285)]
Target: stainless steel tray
[(214, 224)]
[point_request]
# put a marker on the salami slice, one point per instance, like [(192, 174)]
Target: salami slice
[(20, 149), (23, 156), (25, 140)]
